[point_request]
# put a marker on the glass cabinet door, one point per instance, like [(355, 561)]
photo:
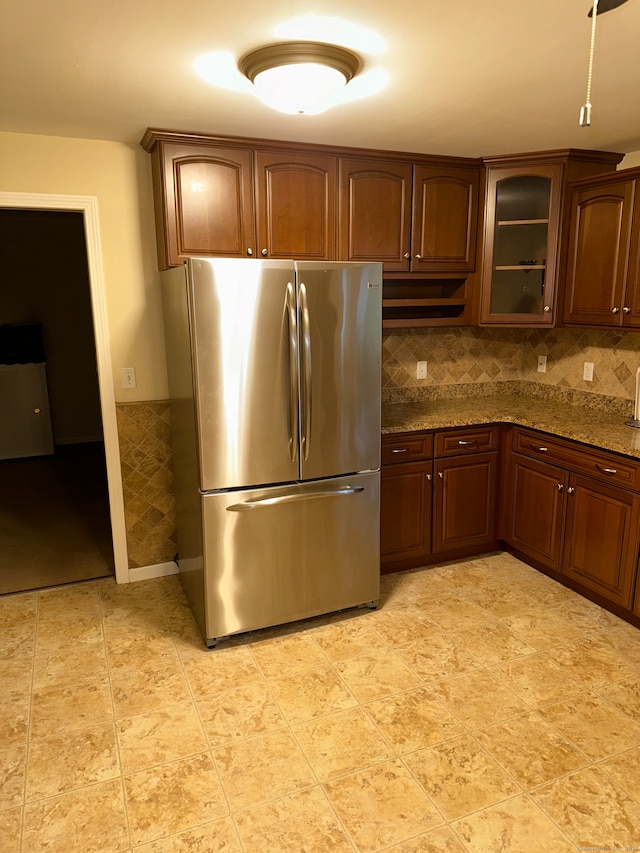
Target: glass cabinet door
[(520, 247)]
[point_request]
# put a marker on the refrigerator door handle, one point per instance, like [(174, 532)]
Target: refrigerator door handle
[(293, 371), (297, 496), (305, 389)]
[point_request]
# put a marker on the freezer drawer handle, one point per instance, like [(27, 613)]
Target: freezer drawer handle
[(287, 499), (293, 371)]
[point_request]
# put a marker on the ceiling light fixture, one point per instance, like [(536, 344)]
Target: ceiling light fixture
[(303, 77)]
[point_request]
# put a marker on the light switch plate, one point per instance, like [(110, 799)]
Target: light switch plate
[(128, 377), (421, 370), (542, 364), (587, 373)]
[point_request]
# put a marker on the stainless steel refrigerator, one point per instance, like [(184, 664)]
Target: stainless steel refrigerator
[(274, 378)]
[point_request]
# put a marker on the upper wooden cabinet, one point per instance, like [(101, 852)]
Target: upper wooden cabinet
[(236, 201), (525, 233), (602, 281), (413, 218)]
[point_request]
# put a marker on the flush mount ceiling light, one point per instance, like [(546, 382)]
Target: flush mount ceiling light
[(300, 77)]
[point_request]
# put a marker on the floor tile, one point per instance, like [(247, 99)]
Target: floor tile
[(71, 760), (625, 639), (240, 713), (460, 777), (592, 662), (140, 691), (382, 806), (213, 672), (452, 610), (89, 820), (14, 721), (70, 707), (262, 768), (135, 652), (624, 696), (592, 810), (10, 830), (414, 720), (537, 679), (622, 769), (303, 821), (514, 826), (530, 749), (441, 840), (311, 693), (593, 726), (69, 664), (67, 629), (16, 675), (173, 797), (402, 627), (490, 642), (13, 764), (217, 837), (478, 699), (347, 638), (18, 618), (440, 656), (284, 655), (375, 675), (159, 737), (544, 628), (342, 743)]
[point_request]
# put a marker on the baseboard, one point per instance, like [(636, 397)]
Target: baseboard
[(159, 570)]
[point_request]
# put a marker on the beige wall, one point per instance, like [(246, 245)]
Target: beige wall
[(119, 176), (630, 160)]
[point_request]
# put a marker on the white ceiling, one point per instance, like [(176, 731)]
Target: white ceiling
[(466, 78)]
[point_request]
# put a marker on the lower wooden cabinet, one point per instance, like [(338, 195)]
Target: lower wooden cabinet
[(465, 501), (583, 527), (405, 511)]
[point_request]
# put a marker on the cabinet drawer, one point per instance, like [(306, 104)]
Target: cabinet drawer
[(406, 447), (466, 440), (599, 464)]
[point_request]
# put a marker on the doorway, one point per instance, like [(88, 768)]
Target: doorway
[(61, 514)]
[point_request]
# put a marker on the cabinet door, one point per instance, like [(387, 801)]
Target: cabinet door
[(598, 254), (374, 212), (521, 244), (208, 202), (464, 501), (601, 544), (295, 202), (405, 510), (444, 219), (632, 289), (535, 508)]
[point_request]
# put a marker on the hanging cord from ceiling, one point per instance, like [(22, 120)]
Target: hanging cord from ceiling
[(585, 110)]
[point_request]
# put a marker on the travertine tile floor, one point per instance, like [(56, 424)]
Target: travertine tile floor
[(482, 708)]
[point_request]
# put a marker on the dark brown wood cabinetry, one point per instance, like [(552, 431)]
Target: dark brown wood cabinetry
[(525, 233), (602, 281), (447, 505), (575, 511)]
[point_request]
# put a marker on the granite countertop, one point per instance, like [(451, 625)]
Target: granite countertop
[(592, 426)]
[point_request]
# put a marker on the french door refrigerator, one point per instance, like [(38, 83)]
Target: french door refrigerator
[(274, 378)]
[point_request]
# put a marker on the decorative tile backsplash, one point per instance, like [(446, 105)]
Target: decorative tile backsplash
[(147, 480), (467, 354), (455, 356)]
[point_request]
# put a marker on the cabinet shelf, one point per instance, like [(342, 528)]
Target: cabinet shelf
[(411, 303), (521, 267), (523, 222)]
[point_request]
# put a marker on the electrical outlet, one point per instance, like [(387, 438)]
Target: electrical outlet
[(542, 364), (421, 370), (587, 372), (128, 377)]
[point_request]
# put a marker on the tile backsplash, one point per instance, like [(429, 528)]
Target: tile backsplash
[(469, 354)]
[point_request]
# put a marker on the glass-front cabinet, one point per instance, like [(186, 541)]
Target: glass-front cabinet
[(521, 239)]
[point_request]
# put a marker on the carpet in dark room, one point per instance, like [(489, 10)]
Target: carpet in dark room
[(54, 519)]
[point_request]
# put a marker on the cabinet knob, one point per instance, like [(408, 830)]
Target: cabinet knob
[(441, 475), (615, 310), (570, 490), (264, 253), (428, 476), (559, 487), (418, 257), (407, 255), (547, 309), (626, 310), (36, 411), (249, 252)]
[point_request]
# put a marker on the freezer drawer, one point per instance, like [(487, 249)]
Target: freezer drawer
[(280, 554)]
